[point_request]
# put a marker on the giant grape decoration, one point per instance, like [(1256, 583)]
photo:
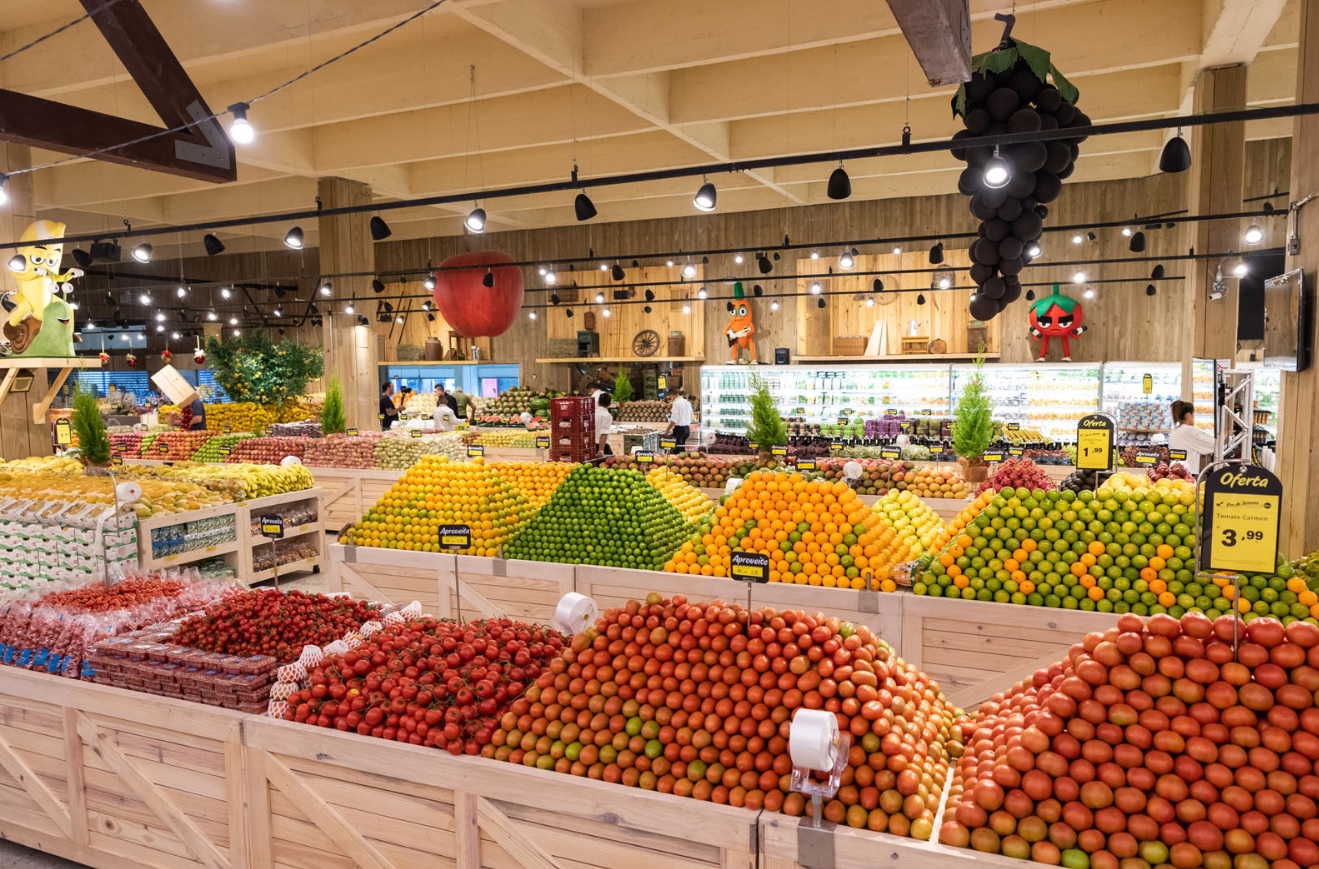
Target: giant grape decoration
[(1010, 92)]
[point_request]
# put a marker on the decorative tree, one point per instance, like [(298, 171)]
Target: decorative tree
[(93, 440), (974, 426), (622, 387), (767, 427), (254, 368), (332, 416)]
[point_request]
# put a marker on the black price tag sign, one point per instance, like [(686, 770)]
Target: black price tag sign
[(751, 566), (120, 448), (542, 442), (1147, 457), (996, 456), (807, 464), (1176, 455), (753, 445), (1094, 443), (1147, 384), (890, 411), (475, 450), (1014, 426), (1241, 519), (778, 451), (842, 420), (890, 453), (836, 446), (847, 411), (268, 430), (800, 411), (1016, 452), (352, 432), (645, 457), (455, 536), (227, 428), (668, 444), (162, 446), (380, 416), (272, 527), (904, 426), (116, 460), (224, 451), (926, 412), (415, 433)]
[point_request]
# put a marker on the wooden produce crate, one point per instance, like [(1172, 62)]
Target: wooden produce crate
[(849, 345), (346, 494), (392, 575), (976, 649), (525, 590), (862, 849), (914, 344), (230, 551)]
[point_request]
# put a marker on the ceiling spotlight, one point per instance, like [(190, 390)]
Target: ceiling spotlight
[(428, 282), (349, 309), (210, 315), (1254, 234), (689, 270), (599, 298), (774, 305), (1176, 156), (327, 288), (1033, 250), (210, 241), (142, 253), (1158, 272), (583, 207), (488, 280), (706, 197), (160, 316), (1126, 231), (531, 315), (1079, 277), (475, 221), (241, 130), (1091, 236), (1078, 238), (618, 274), (181, 292), (604, 312), (686, 309), (897, 250), (816, 289), (89, 325), (551, 278), (293, 238), (278, 313), (430, 317), (1137, 243), (17, 262), (233, 321), (226, 293), (1149, 290), (379, 229), (174, 336), (944, 282), (1089, 293), (870, 301), (819, 303), (650, 295), (362, 320), (604, 267), (554, 298), (877, 285), (815, 254), (846, 261), (1030, 295), (997, 171), (377, 286), (763, 263), (702, 294), (567, 312), (936, 254), (82, 258), (920, 298), (144, 298), (160, 328), (840, 186), (669, 263), (737, 258), (399, 319), (1241, 269), (647, 309)]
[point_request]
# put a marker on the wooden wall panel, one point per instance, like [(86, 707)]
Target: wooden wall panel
[(627, 319)]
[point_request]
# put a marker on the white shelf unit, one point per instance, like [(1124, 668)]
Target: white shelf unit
[(254, 544)]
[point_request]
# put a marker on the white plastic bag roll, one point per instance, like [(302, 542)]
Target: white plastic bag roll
[(289, 461), (575, 613), (128, 492), (813, 739)]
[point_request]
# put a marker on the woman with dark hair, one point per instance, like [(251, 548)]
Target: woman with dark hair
[(1185, 436)]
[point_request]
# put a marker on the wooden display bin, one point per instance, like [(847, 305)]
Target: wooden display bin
[(347, 493)]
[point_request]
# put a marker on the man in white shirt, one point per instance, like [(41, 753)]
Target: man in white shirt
[(680, 419), (604, 421), (1199, 445), (444, 417)]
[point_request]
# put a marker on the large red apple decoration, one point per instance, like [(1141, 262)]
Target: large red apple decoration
[(468, 305)]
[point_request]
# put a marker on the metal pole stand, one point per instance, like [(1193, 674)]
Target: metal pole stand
[(815, 835)]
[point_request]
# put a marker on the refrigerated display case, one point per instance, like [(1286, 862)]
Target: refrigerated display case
[(1049, 399)]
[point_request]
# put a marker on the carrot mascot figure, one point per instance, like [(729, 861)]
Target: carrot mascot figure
[(741, 327)]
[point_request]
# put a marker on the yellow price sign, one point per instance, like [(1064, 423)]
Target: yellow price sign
[(1242, 517), (63, 433), (1094, 443), (661, 382)]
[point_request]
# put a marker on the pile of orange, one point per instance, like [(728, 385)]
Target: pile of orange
[(436, 492), (815, 533), (536, 480), (959, 522)]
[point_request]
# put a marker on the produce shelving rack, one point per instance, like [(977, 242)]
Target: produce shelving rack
[(229, 550), (252, 542)]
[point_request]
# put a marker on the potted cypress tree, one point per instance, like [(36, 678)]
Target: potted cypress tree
[(332, 415), (767, 427), (93, 439), (622, 390), (973, 427)]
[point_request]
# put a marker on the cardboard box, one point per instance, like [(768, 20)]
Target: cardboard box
[(175, 386)]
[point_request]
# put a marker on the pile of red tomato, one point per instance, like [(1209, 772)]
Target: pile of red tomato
[(1152, 744), (697, 700), (428, 682), (269, 622)]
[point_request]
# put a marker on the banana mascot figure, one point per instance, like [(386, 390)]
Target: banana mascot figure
[(741, 327), (39, 284)]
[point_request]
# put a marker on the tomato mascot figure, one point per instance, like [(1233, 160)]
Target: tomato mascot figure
[(741, 327), (1056, 316)]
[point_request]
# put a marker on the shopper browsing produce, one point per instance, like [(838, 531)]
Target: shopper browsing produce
[(388, 412), (444, 417), (604, 421), (680, 419), (443, 397), (1185, 436), (462, 403)]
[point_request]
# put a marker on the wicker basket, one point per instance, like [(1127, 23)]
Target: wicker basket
[(410, 353), (849, 345), (563, 348)]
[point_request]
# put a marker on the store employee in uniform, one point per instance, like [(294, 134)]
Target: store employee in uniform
[(680, 419), (1199, 444), (604, 421)]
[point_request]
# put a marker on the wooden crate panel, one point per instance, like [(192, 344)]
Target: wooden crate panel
[(526, 590), (861, 849), (388, 575)]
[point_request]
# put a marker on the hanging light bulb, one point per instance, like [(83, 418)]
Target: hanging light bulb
[(774, 305), (583, 207), (1079, 277), (226, 293), (160, 316), (737, 258), (846, 261), (897, 250), (181, 292), (840, 186), (531, 315), (870, 301), (428, 282), (210, 315), (475, 220), (1176, 156), (604, 312), (689, 270), (142, 253), (1078, 238), (815, 254), (701, 294), (241, 130), (599, 298), (816, 289), (551, 278), (294, 238), (1089, 293), (686, 308), (706, 197), (233, 321), (349, 309), (997, 171), (1254, 234)]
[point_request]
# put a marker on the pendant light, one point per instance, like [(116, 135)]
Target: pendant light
[(936, 254), (210, 241), (241, 131), (1176, 156), (293, 238), (1137, 242), (997, 171), (1254, 234), (840, 186), (583, 207), (706, 197), (379, 229), (475, 220)]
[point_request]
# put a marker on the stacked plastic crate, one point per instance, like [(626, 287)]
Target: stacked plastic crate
[(572, 421)]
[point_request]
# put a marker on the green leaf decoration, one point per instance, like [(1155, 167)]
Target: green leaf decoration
[(1037, 58), (1000, 61), (1065, 88), (959, 101)]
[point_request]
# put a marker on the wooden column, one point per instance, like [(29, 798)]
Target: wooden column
[(1298, 463), (1218, 155), (18, 436), (351, 351)]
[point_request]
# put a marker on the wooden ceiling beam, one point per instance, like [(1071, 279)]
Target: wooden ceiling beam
[(939, 33)]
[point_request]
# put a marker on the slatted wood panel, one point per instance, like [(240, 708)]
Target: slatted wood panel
[(348, 493), (626, 320), (390, 575), (526, 590)]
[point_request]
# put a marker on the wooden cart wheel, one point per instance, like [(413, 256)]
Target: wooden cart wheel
[(645, 342)]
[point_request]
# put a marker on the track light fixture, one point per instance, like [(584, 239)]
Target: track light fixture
[(531, 315), (1254, 234), (1030, 295), (686, 308), (17, 262), (1078, 239), (706, 197), (1137, 242), (599, 298), (763, 264), (277, 313), (618, 274), (210, 315), (349, 309), (233, 321), (819, 303), (1158, 272), (1176, 156), (1089, 293), (1150, 290), (82, 258), (142, 253), (568, 313), (226, 293), (160, 316), (1126, 232), (997, 171), (1091, 235), (583, 207), (1241, 269), (847, 260), (920, 298), (689, 270), (1033, 250), (475, 220), (840, 186), (647, 309), (877, 286), (489, 279), (379, 229), (145, 299), (554, 299), (650, 295), (936, 253), (738, 258), (293, 238), (816, 289), (1079, 277), (774, 305), (702, 294), (870, 301), (212, 243), (377, 285), (604, 312), (181, 292), (241, 131), (429, 282), (327, 289), (815, 254)]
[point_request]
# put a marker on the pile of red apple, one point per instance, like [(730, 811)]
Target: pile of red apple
[(1175, 471), (1017, 474), (1151, 745), (268, 450)]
